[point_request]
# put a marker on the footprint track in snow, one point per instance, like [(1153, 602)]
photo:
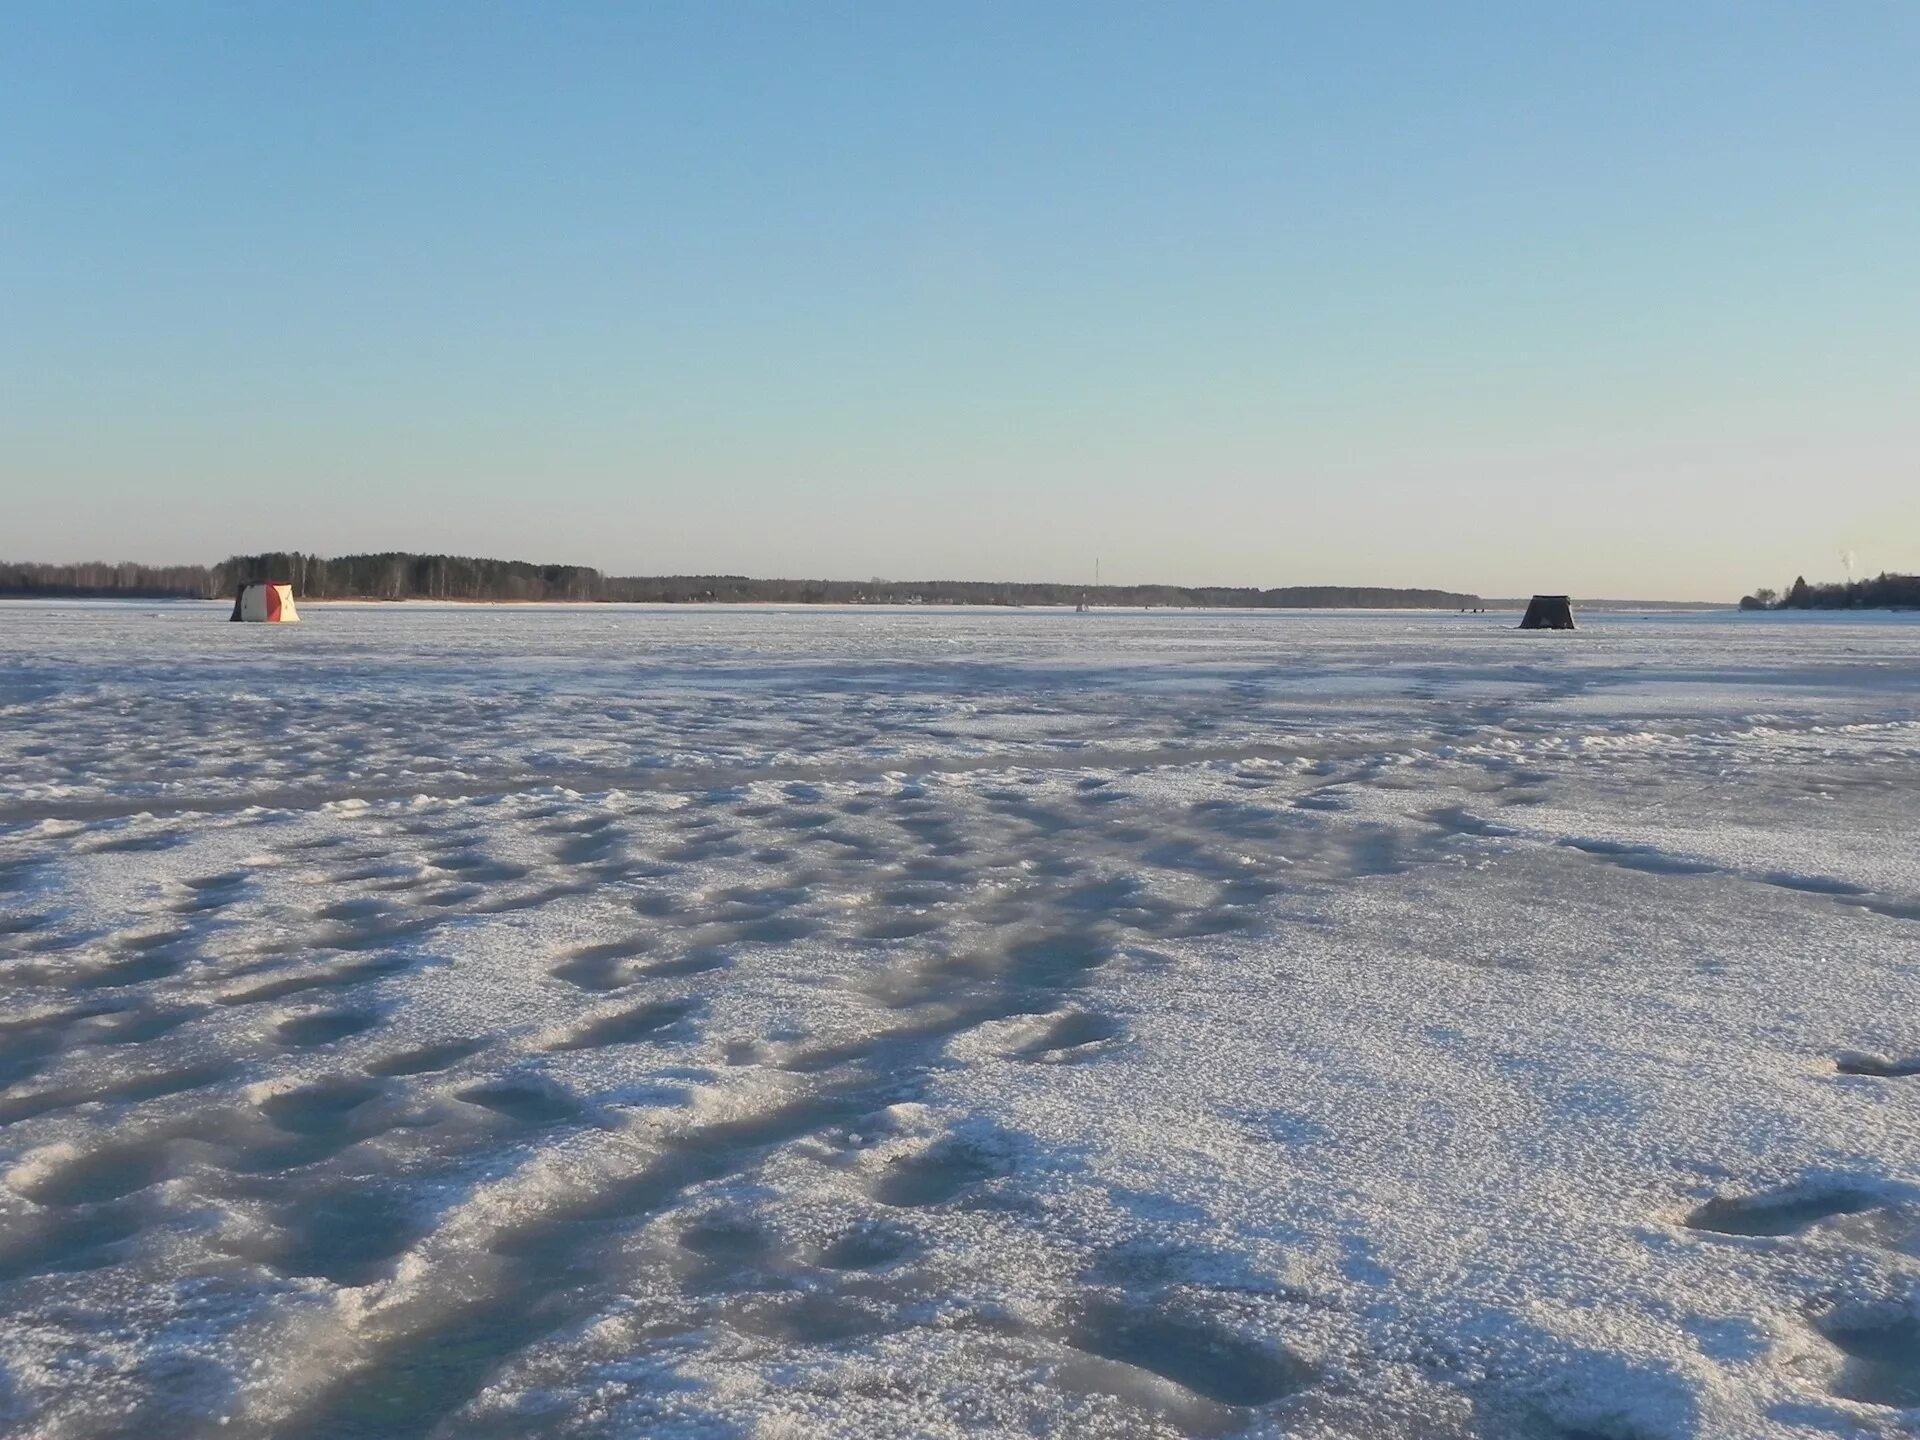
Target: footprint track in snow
[(938, 1174), (427, 1059), (323, 1027), (333, 977), (1882, 1364), (625, 1027), (346, 1234), (1879, 1067), (870, 1245), (1788, 1211), (1065, 1037), (530, 1101), (323, 1107), (68, 1241), (105, 1172), (1212, 1362), (602, 967)]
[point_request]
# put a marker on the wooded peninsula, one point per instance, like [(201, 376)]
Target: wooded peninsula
[(1884, 592)]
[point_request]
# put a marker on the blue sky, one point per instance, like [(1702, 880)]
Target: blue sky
[(1616, 298)]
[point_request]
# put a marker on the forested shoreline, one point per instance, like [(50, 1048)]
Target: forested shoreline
[(405, 575), (400, 575), (1885, 591)]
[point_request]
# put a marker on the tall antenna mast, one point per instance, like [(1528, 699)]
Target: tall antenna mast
[(1096, 571)]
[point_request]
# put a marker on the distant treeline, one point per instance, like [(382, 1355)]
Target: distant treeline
[(95, 578), (403, 576), (1883, 592)]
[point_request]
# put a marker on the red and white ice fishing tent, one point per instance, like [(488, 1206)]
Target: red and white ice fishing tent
[(268, 600)]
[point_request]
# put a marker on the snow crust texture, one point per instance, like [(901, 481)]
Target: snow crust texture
[(620, 1022)]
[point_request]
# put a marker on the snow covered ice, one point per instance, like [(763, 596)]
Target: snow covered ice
[(486, 1022)]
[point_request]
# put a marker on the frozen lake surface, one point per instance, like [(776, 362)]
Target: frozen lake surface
[(471, 1022)]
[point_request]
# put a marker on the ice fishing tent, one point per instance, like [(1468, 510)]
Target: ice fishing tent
[(1548, 612), (266, 600)]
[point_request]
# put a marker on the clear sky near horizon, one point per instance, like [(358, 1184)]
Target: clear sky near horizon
[(1616, 298)]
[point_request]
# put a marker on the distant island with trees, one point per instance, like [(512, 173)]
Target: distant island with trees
[(1883, 592), (401, 575)]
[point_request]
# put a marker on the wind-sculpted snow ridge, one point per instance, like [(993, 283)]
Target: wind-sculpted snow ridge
[(635, 1023)]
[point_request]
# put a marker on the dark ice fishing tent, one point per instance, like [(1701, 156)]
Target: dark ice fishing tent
[(1548, 612)]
